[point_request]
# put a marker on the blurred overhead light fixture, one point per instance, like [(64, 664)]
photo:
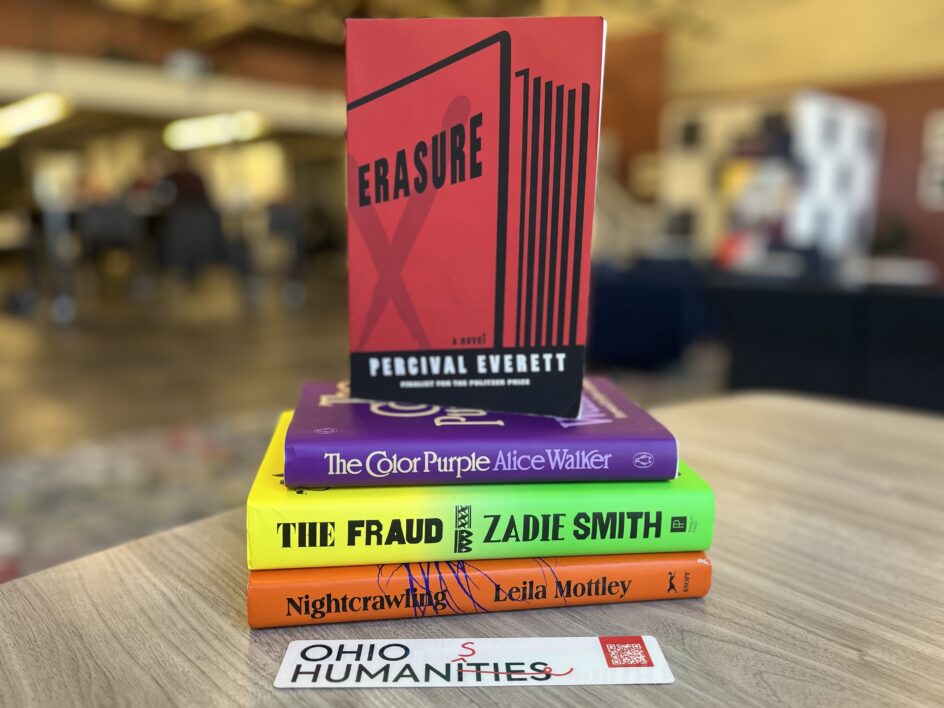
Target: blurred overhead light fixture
[(31, 114), (219, 129)]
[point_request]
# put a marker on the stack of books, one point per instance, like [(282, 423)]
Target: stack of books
[(468, 295), (366, 510)]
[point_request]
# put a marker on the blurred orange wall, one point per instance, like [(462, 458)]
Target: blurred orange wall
[(905, 105)]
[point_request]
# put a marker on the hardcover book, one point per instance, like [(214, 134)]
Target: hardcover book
[(337, 441), (317, 527), (472, 158), (281, 598)]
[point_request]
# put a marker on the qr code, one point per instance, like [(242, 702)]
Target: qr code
[(625, 651), (627, 655)]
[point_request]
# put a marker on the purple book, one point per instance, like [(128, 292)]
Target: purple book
[(337, 441)]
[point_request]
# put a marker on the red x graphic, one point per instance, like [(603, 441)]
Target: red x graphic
[(389, 256)]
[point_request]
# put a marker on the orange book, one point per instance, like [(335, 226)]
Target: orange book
[(279, 598)]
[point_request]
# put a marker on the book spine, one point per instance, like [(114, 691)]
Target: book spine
[(280, 598), (312, 463), (340, 527)]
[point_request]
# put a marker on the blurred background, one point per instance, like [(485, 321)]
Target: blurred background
[(770, 214)]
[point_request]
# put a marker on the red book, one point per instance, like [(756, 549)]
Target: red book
[(472, 157)]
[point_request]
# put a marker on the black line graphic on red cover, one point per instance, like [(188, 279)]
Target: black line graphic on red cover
[(525, 74), (555, 216), (501, 225), (578, 218), (545, 190), (532, 207), (565, 237), (390, 286), (503, 40)]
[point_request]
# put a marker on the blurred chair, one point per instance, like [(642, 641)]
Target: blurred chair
[(109, 227), (192, 238)]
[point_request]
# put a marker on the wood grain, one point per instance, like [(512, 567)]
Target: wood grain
[(829, 589)]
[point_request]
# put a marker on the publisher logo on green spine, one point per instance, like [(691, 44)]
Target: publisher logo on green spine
[(679, 524), (463, 539)]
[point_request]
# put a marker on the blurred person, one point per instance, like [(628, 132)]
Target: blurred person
[(23, 285), (187, 183), (287, 223), (147, 199), (191, 233), (146, 194), (55, 190)]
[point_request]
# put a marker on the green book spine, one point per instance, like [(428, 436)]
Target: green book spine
[(298, 528)]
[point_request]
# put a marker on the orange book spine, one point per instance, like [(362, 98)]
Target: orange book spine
[(279, 598)]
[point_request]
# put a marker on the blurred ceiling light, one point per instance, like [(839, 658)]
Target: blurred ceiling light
[(219, 129), (31, 114)]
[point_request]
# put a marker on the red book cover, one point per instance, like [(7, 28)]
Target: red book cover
[(472, 158)]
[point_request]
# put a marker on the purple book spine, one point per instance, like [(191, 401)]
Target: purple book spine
[(316, 463)]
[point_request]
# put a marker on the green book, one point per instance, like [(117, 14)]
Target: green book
[(313, 527)]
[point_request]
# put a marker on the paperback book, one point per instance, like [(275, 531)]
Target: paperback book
[(317, 527), (336, 441), (472, 160), (280, 598)]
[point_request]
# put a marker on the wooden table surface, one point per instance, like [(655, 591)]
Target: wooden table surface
[(828, 589)]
